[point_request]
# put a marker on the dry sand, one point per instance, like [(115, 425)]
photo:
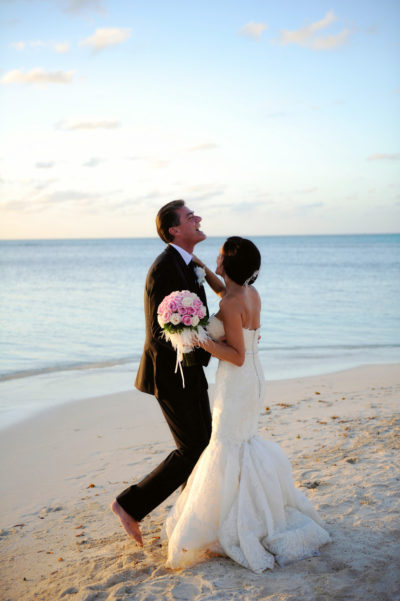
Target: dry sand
[(61, 470)]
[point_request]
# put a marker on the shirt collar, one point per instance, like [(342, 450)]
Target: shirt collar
[(187, 257)]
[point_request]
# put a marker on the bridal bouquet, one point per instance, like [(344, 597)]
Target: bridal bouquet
[(183, 318)]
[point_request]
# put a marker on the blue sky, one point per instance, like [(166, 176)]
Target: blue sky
[(267, 118)]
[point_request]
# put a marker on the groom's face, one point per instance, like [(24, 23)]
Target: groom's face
[(188, 232)]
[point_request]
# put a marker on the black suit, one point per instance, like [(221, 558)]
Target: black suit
[(186, 410)]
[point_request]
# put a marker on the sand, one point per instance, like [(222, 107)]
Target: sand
[(61, 469)]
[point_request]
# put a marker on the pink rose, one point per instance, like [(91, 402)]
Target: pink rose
[(173, 306), (167, 316), (187, 320), (190, 311), (182, 311), (201, 313)]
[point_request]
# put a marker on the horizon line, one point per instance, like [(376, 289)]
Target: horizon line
[(155, 237)]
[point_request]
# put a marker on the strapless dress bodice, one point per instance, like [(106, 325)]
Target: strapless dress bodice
[(216, 329)]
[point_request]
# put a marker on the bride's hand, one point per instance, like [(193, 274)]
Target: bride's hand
[(208, 344), (197, 261)]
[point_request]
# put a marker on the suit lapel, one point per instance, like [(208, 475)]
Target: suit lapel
[(181, 266), (193, 277)]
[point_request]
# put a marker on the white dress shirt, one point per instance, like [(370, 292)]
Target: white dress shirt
[(187, 257)]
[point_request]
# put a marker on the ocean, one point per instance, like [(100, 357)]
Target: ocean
[(72, 323)]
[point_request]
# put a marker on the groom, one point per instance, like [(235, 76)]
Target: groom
[(186, 410)]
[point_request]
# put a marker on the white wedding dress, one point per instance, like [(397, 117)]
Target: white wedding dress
[(240, 500)]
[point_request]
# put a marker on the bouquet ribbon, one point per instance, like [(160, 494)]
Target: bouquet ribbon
[(185, 342)]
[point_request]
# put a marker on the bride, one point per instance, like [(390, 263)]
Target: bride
[(240, 500)]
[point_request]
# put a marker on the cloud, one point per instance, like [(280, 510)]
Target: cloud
[(62, 196), (18, 45), (249, 206), (51, 200), (93, 162), (304, 209), (39, 196), (31, 183), (22, 45), (25, 205), (62, 47), (384, 157), (202, 192), (44, 164), (277, 114), (76, 6), (253, 30), (108, 36), (205, 146), (330, 41), (37, 44), (308, 36), (306, 191), (154, 162), (135, 205), (37, 76), (158, 163), (298, 36), (58, 47), (76, 125), (42, 185), (311, 205)]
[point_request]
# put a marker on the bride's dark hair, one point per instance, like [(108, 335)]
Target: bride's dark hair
[(241, 260)]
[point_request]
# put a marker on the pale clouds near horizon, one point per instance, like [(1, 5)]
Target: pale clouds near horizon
[(266, 120), (106, 37), (309, 36), (37, 76), (22, 45), (253, 30)]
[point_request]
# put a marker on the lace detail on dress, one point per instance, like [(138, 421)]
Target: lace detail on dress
[(240, 499)]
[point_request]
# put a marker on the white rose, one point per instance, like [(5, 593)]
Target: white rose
[(175, 319), (195, 320), (187, 301), (160, 320)]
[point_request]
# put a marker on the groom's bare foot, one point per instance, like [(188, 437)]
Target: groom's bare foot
[(130, 525)]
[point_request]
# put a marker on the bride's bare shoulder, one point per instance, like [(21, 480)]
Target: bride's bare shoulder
[(255, 295), (230, 304)]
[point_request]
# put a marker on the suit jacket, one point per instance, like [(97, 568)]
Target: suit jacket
[(168, 273)]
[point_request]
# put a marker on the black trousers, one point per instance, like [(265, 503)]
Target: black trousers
[(187, 411)]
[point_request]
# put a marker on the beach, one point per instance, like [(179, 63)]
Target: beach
[(61, 469)]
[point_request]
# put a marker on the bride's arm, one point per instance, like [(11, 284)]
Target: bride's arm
[(232, 349), (212, 279)]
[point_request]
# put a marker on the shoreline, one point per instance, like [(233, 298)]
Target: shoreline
[(52, 388), (62, 468)]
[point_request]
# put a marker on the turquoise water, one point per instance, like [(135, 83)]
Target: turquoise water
[(329, 302)]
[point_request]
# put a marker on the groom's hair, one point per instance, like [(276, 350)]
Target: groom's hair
[(241, 260), (168, 217)]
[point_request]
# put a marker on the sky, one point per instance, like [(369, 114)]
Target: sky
[(268, 118)]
